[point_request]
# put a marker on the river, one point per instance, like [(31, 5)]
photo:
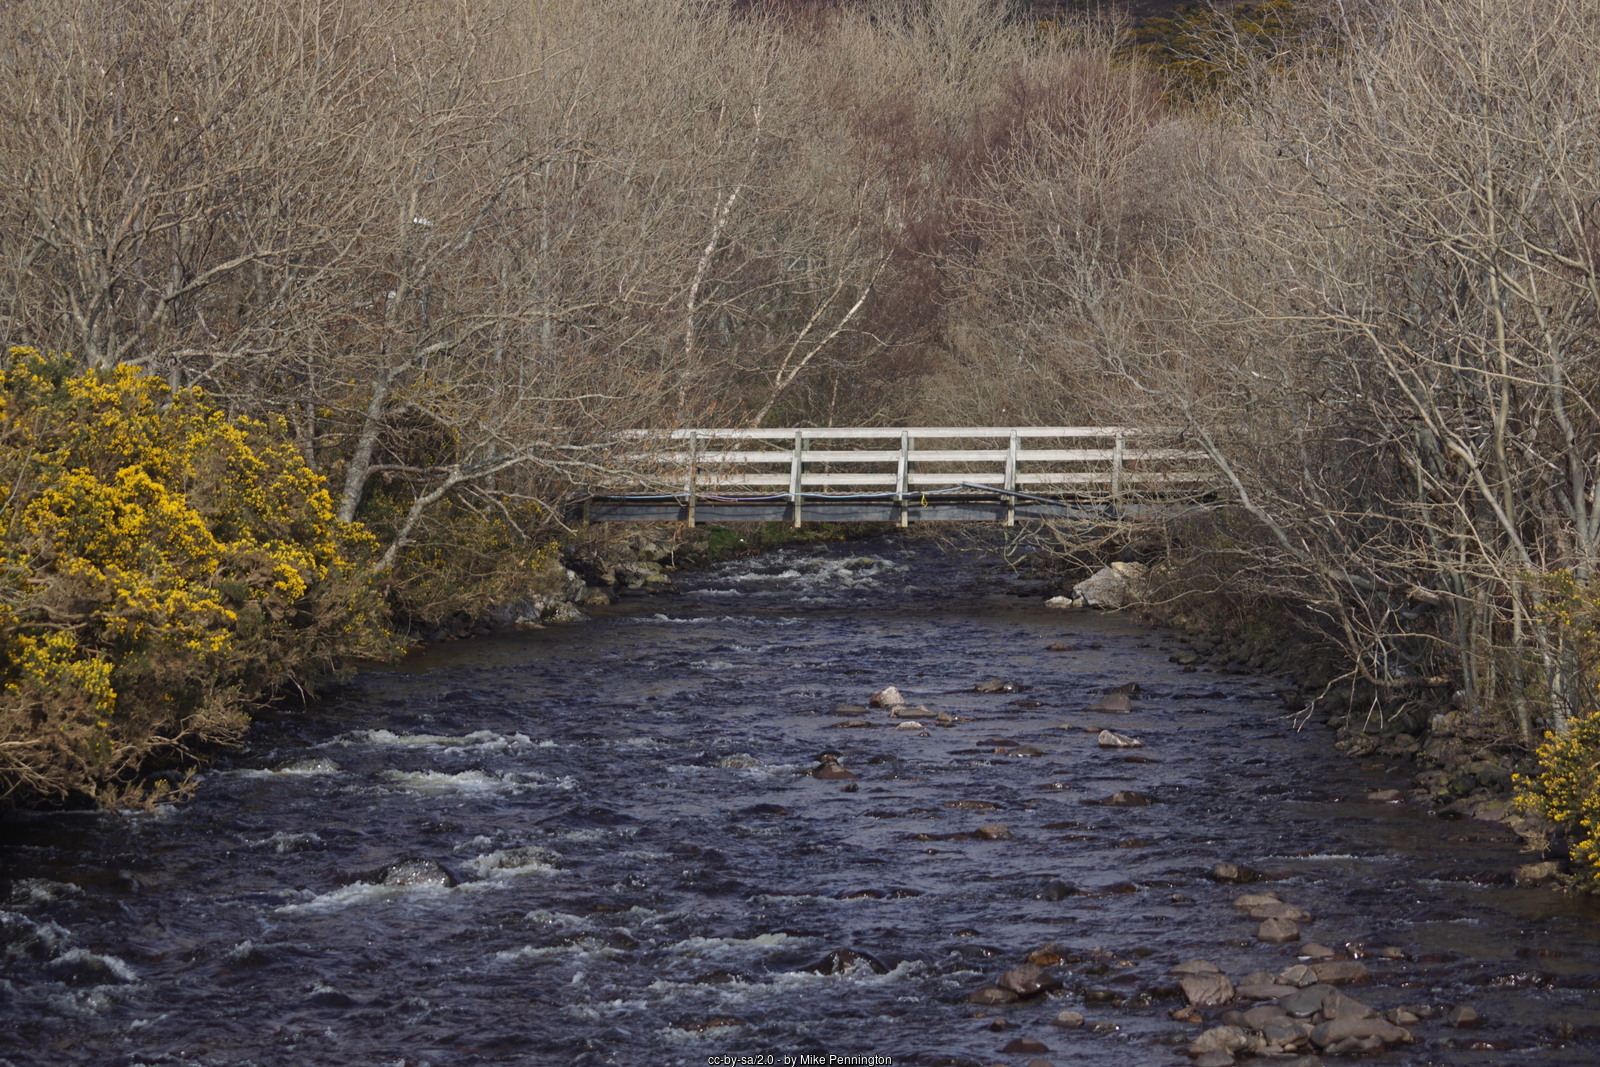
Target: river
[(648, 874)]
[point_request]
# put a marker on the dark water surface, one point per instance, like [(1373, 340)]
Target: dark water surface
[(648, 875)]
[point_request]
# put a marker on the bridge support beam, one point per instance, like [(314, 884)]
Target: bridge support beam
[(797, 468), (902, 477), (694, 472)]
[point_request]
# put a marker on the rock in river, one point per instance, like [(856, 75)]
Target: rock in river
[(1110, 587), (848, 961), (1341, 972), (1359, 1034), (1028, 980), (410, 871), (1234, 873), (1107, 739), (1227, 1039), (1206, 990), (1277, 909), (828, 768)]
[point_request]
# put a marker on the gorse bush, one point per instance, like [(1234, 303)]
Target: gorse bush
[(1565, 784), (161, 566)]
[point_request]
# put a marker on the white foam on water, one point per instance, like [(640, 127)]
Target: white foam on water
[(439, 783), (304, 767), (483, 740), (243, 952), (905, 970), (160, 812), (85, 1003), (22, 937), (117, 969), (695, 946), (781, 898), (283, 842), (642, 855), (582, 946), (674, 1036), (359, 894), (628, 832), (821, 575), (601, 1010), (559, 920), (743, 764), (514, 862), (713, 665), (41, 891), (677, 621)]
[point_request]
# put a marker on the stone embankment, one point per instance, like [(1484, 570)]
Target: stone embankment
[(592, 576)]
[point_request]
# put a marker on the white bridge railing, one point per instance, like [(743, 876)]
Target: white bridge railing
[(905, 464)]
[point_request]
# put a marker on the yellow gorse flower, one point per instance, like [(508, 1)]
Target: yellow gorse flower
[(162, 563)]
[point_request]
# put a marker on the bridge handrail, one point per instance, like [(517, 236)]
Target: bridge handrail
[(710, 464), (881, 432)]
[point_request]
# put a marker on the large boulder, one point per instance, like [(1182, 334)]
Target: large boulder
[(1111, 587), (651, 577)]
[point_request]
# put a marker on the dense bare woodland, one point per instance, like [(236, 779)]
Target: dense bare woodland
[(456, 247)]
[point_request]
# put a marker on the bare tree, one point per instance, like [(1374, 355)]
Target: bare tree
[(1393, 307)]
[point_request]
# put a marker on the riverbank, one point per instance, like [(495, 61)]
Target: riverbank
[(604, 563)]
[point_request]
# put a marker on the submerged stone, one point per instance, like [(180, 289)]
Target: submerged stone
[(410, 871)]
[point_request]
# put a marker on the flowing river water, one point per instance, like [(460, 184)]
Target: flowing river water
[(648, 874)]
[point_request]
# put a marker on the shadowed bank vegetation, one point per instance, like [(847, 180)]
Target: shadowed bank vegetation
[(444, 254)]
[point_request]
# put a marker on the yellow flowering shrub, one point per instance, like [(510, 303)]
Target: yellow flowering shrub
[(1565, 787), (162, 566)]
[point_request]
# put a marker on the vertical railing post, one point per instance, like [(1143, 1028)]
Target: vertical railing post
[(1011, 478), (900, 478), (796, 474), (1116, 469), (694, 471)]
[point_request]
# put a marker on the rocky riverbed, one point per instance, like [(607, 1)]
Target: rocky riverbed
[(699, 825)]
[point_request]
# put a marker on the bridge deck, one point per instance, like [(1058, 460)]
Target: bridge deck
[(971, 474)]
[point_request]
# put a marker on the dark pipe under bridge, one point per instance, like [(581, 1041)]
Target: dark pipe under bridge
[(904, 475)]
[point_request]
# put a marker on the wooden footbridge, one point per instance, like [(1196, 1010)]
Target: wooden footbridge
[(904, 475)]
